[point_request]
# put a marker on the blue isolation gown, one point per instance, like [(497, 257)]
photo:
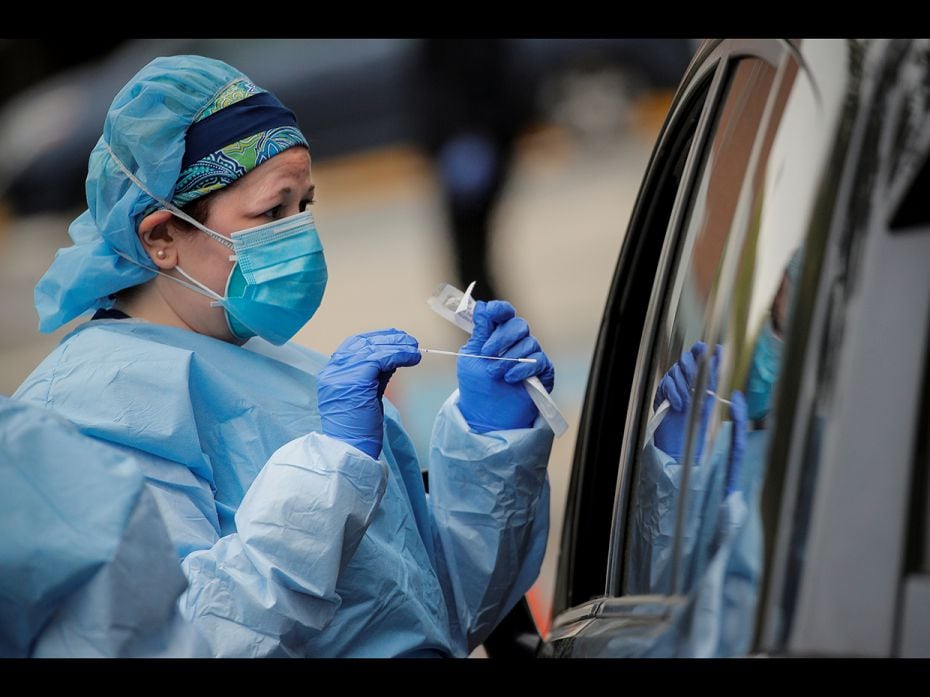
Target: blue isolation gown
[(294, 543)]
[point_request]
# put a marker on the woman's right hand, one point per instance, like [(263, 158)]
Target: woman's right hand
[(350, 387)]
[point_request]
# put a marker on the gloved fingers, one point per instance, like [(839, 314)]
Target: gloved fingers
[(380, 332), (675, 385), (349, 346), (487, 316), (681, 386), (697, 350), (688, 365), (397, 339), (505, 336), (389, 358), (667, 390), (521, 349), (670, 392), (482, 330), (351, 343), (527, 347), (354, 374), (357, 346), (499, 311), (547, 377), (517, 372)]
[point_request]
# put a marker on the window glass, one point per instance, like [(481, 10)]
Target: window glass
[(693, 525), (681, 344), (590, 502)]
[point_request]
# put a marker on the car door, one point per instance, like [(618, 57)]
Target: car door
[(846, 493), (664, 543)]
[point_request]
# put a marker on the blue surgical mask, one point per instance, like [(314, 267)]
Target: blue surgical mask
[(278, 280), (763, 372)]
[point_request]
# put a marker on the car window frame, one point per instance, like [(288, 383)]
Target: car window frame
[(676, 246), (572, 589)]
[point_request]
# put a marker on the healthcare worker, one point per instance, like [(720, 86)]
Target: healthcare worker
[(86, 565), (290, 490)]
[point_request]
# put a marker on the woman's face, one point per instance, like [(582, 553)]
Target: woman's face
[(279, 188)]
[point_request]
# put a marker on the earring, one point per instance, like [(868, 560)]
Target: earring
[(160, 253)]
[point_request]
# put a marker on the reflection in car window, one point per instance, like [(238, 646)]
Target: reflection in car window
[(648, 566), (714, 370), (591, 499)]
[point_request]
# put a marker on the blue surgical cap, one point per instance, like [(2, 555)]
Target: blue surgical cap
[(145, 128)]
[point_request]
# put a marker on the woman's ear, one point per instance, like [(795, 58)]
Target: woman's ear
[(157, 239)]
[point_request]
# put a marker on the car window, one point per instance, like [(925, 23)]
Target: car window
[(721, 331), (649, 564)]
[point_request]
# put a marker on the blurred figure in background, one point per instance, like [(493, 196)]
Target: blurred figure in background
[(472, 114)]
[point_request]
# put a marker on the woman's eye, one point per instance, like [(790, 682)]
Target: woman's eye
[(305, 203), (273, 212)]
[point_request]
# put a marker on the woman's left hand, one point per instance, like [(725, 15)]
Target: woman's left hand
[(491, 393)]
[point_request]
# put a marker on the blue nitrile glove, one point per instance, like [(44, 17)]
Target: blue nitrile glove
[(350, 387), (738, 415), (492, 396), (677, 386)]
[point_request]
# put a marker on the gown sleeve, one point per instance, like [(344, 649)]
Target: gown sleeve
[(269, 587), (489, 507)]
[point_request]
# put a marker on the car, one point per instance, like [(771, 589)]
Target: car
[(786, 195), (349, 95)]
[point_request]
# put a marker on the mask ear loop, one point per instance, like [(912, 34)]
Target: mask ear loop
[(191, 283), (168, 206)]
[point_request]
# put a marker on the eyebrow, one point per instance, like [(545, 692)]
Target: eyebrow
[(286, 190)]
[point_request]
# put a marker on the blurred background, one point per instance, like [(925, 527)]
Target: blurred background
[(514, 163)]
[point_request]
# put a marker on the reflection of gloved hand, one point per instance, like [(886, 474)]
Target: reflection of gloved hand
[(491, 393), (350, 387), (677, 387), (738, 412)]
